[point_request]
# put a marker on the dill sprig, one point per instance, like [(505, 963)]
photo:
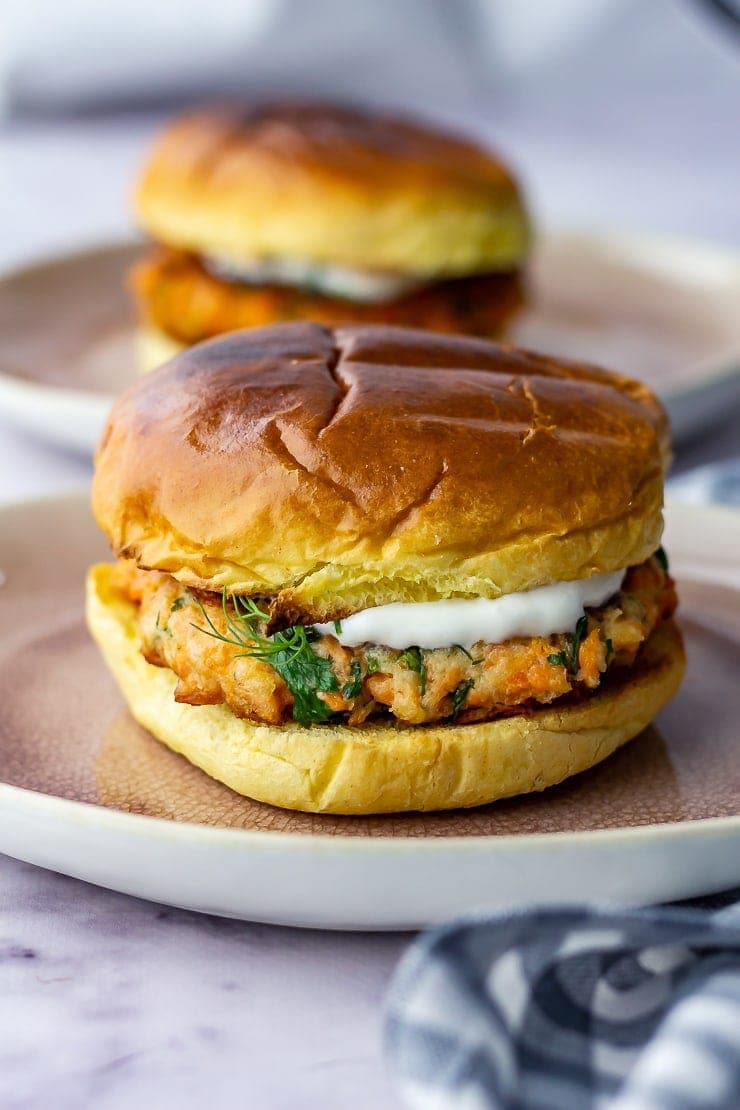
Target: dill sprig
[(289, 652)]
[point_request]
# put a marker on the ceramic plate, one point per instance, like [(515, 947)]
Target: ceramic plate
[(663, 311), (86, 791)]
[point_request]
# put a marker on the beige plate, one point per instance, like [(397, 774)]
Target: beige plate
[(656, 821), (664, 311)]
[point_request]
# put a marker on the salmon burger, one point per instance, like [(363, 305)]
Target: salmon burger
[(371, 569), (270, 212)]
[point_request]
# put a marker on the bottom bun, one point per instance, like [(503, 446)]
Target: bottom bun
[(379, 768), (153, 348)]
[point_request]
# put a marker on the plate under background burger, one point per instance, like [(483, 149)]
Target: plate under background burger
[(368, 570), (275, 212)]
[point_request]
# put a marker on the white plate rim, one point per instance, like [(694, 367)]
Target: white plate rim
[(654, 245)]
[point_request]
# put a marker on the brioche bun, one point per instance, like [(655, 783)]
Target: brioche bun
[(378, 768), (331, 185), (333, 470)]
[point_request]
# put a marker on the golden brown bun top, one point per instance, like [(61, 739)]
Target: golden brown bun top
[(331, 184), (347, 468)]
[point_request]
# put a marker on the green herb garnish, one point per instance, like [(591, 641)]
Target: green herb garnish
[(372, 664), (338, 627), (609, 650), (304, 672), (414, 660), (568, 657), (353, 688), (290, 653), (178, 603), (459, 696), (662, 558)]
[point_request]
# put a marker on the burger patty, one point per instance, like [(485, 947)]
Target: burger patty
[(221, 655), (180, 297)]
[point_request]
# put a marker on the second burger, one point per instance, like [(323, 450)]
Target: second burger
[(276, 212)]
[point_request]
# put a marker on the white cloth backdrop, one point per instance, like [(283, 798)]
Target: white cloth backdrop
[(65, 56)]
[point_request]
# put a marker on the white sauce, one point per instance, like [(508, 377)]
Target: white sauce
[(434, 624), (338, 281)]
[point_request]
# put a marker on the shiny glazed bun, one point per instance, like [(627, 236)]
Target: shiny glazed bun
[(379, 768), (336, 470), (331, 185)]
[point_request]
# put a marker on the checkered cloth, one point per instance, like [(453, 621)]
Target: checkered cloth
[(568, 1009)]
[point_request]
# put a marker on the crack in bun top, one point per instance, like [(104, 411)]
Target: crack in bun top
[(332, 470), (334, 185)]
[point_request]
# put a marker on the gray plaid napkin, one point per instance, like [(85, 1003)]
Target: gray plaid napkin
[(568, 1009)]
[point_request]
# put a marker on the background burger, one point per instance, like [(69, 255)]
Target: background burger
[(367, 570), (284, 212)]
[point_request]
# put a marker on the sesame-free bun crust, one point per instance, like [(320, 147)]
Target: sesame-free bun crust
[(381, 769), (332, 185), (335, 470)]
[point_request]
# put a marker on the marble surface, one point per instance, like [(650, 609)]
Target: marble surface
[(111, 1002)]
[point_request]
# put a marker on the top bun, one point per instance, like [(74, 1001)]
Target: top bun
[(331, 185), (336, 470)]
